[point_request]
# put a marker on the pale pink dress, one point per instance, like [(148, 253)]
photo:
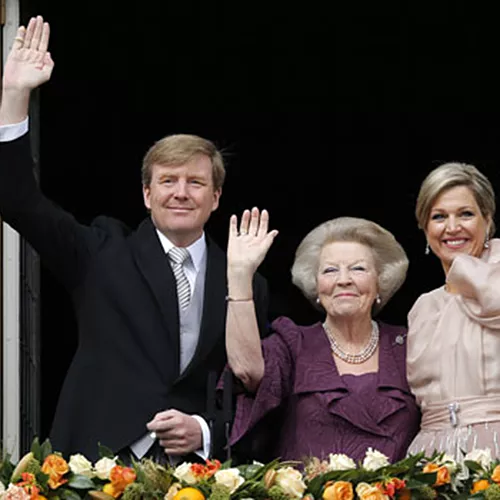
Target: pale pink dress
[(453, 360)]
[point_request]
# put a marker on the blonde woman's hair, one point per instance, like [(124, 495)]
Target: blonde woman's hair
[(451, 175)]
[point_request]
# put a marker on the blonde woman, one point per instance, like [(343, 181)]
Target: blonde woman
[(454, 331)]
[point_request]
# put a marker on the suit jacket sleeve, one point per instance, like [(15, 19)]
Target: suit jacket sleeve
[(64, 245)]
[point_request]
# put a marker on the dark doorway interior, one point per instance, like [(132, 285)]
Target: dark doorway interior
[(303, 103)]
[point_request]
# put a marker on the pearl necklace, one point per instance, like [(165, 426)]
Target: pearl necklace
[(354, 359)]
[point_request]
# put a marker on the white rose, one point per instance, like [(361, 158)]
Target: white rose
[(103, 467), (482, 457), (290, 481), (339, 461), (172, 491), (184, 473), (230, 478), (449, 463), (374, 460), (78, 464)]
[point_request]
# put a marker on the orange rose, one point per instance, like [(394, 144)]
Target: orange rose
[(368, 492), (496, 474), (391, 486), (340, 490), (109, 489), (28, 484), (404, 494), (442, 473), (206, 471), (55, 467), (482, 484), (120, 478)]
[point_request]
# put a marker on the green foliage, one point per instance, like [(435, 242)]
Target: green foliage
[(276, 493), (220, 492), (492, 493), (81, 482), (135, 491)]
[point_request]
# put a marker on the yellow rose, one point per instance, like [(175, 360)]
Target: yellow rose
[(367, 492), (172, 491), (340, 490)]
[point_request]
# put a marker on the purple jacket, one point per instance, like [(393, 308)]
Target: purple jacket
[(303, 407)]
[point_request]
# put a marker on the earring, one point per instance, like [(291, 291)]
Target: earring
[(318, 301), (427, 249), (486, 242), (378, 300)]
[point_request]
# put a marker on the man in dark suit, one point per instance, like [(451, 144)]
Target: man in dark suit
[(150, 303)]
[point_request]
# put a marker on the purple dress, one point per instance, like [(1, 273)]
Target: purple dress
[(304, 408)]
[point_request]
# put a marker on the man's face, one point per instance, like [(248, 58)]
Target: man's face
[(181, 199)]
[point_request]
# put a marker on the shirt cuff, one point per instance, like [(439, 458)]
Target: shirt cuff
[(205, 451), (14, 131)]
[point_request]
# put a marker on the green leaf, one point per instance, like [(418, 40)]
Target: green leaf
[(413, 484), (105, 452), (249, 470), (81, 482), (428, 478), (45, 450), (473, 466), (69, 495), (36, 449)]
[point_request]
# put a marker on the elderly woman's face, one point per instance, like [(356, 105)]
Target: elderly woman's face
[(347, 279), (456, 225)]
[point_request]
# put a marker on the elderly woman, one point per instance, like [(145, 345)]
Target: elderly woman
[(337, 386), (454, 331)]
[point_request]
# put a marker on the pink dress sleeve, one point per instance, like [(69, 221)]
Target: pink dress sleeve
[(478, 284)]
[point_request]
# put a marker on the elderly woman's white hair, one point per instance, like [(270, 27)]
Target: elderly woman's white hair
[(390, 258)]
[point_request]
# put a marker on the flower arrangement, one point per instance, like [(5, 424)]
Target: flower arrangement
[(45, 474)]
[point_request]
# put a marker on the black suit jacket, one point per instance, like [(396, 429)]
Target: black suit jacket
[(126, 367)]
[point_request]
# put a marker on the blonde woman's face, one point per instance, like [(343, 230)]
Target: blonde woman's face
[(456, 225), (347, 279)]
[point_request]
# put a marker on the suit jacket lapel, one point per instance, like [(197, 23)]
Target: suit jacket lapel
[(154, 266), (213, 321)]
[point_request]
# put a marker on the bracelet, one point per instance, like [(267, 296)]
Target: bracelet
[(231, 299)]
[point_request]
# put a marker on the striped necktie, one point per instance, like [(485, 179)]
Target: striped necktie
[(177, 257)]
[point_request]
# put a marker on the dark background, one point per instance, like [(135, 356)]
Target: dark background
[(323, 110)]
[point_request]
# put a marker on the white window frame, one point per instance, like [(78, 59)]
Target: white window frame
[(10, 294)]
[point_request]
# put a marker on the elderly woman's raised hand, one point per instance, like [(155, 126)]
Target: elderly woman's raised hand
[(249, 243)]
